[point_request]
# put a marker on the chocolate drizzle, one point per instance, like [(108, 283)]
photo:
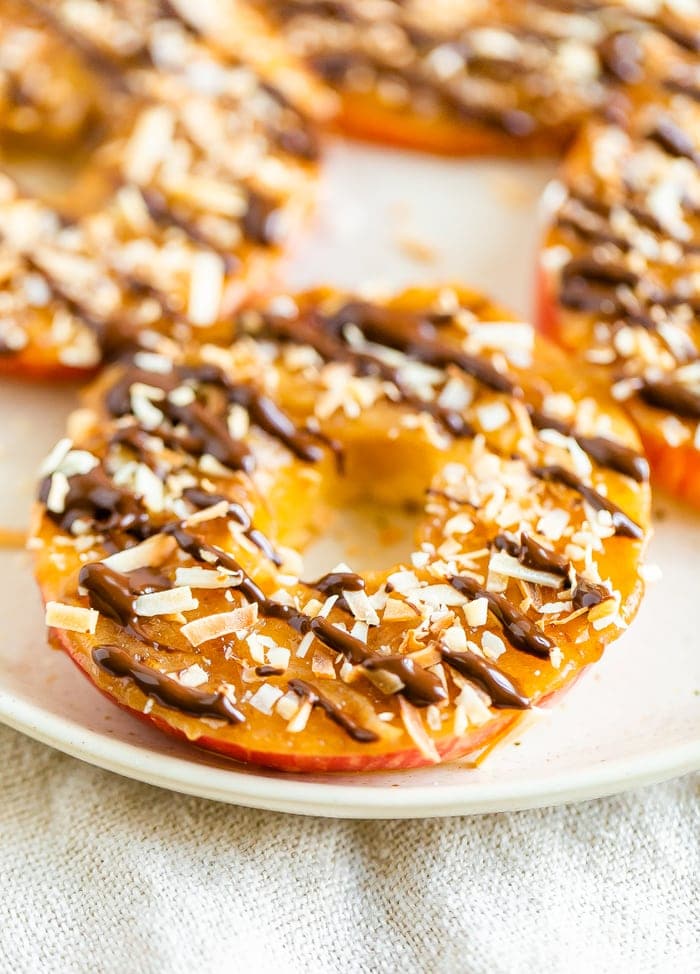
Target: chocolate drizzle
[(258, 221), (503, 692), (95, 498), (417, 337), (590, 285), (168, 692), (621, 522), (354, 730), (672, 396), (674, 141), (335, 583), (201, 499), (587, 594), (517, 628), (113, 593), (420, 687), (534, 555)]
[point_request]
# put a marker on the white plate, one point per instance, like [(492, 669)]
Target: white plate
[(634, 719)]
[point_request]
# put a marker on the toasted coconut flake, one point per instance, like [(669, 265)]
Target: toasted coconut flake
[(288, 705), (553, 523), (492, 645), (436, 596), (361, 607), (72, 617), (197, 577), (476, 612), (149, 144), (206, 288), (455, 638), (651, 572), (305, 645), (265, 697), (503, 564), (298, 723), (55, 457), (256, 647), (78, 462), (193, 676), (493, 416), (168, 602), (208, 513), (414, 728), (238, 422), (396, 610), (278, 657), (503, 335), (360, 631), (325, 609), (388, 683), (142, 396), (220, 624), (403, 581), (148, 554), (473, 705), (322, 666), (459, 524), (150, 487), (58, 491)]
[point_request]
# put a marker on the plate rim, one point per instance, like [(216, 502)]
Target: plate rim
[(328, 800)]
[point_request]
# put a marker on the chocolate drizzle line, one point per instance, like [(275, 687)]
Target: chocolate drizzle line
[(534, 555), (201, 499), (307, 692), (672, 396), (112, 594), (421, 687), (517, 628), (168, 692), (622, 523), (94, 497), (503, 692), (335, 583)]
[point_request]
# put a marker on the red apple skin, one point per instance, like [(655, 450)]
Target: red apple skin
[(34, 366), (450, 748), (674, 469)]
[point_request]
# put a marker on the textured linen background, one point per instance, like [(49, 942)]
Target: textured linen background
[(101, 874)]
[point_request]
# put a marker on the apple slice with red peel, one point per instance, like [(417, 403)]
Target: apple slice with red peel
[(168, 533)]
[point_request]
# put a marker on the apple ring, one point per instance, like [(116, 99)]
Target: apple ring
[(465, 77), (206, 169), (169, 524), (620, 269)]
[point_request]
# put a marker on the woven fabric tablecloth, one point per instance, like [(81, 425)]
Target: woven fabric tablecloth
[(100, 874)]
